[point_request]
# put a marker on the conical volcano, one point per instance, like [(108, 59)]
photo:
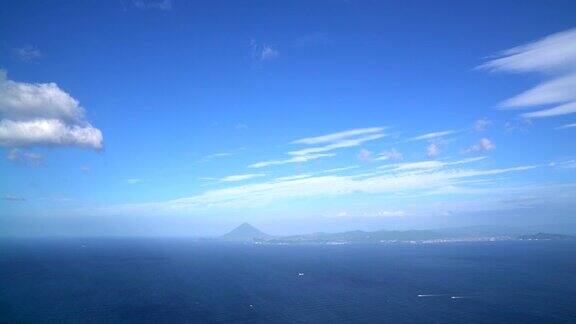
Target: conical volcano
[(244, 233)]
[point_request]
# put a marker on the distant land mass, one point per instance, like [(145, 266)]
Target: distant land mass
[(245, 233), (547, 236), (248, 233)]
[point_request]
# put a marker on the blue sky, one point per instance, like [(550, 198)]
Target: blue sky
[(176, 118)]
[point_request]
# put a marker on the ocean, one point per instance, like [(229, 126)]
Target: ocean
[(183, 281)]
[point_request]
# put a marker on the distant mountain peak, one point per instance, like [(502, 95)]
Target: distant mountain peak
[(246, 225), (244, 232)]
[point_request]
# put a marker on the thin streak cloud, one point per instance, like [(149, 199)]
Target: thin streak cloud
[(295, 159), (334, 137), (241, 177), (431, 136)]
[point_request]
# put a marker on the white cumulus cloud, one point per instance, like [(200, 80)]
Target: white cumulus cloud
[(482, 124), (433, 150), (483, 145), (268, 53), (21, 101), (42, 114), (365, 156), (27, 53), (48, 132), (23, 156), (263, 52), (392, 154)]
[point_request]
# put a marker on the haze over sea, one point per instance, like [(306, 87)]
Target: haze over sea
[(180, 280)]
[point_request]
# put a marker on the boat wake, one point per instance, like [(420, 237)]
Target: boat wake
[(431, 295)]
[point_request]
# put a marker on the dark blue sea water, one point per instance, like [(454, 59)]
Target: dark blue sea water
[(180, 281)]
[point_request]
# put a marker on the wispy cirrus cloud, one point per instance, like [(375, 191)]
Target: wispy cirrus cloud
[(564, 164), (242, 177), (568, 108), (295, 159), (219, 155), (432, 176), (430, 164), (555, 91), (215, 156), (336, 137), (567, 126), (332, 142), (338, 144), (293, 177), (552, 53), (431, 136), (555, 57), (133, 181), (334, 170), (309, 175), (379, 213)]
